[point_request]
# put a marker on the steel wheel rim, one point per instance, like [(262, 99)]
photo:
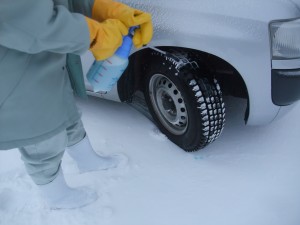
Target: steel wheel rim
[(168, 104)]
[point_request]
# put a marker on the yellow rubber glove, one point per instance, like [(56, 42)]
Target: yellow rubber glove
[(106, 37), (108, 9)]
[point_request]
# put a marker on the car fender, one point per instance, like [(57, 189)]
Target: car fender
[(242, 42)]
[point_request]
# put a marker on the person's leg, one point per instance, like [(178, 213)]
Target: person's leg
[(42, 162), (75, 133), (81, 150)]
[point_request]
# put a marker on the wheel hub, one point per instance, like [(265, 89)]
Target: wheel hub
[(168, 104)]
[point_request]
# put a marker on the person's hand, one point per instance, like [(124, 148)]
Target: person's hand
[(105, 37), (108, 9)]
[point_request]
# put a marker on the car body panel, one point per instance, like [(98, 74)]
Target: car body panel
[(236, 31)]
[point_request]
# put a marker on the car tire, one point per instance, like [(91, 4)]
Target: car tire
[(185, 105)]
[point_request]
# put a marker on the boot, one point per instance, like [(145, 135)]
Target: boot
[(88, 160), (58, 195)]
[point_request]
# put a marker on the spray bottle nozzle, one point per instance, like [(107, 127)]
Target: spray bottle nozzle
[(124, 50), (131, 31)]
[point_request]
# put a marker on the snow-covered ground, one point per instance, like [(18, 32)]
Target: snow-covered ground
[(250, 175)]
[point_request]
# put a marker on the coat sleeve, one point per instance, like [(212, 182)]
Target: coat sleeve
[(82, 6), (34, 26)]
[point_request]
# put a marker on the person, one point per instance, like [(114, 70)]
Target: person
[(38, 113)]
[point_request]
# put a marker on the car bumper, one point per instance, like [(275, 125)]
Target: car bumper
[(285, 86)]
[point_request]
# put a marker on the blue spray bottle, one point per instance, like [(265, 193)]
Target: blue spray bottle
[(103, 75)]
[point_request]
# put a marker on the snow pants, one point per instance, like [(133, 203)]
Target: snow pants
[(42, 160)]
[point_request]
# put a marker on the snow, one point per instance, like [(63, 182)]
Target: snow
[(249, 175)]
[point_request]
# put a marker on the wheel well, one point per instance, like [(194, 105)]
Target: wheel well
[(229, 78)]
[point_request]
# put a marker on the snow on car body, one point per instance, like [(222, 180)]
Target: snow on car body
[(252, 48)]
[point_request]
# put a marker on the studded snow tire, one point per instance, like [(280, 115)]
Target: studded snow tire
[(186, 105)]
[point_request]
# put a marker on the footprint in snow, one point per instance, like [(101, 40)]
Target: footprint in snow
[(11, 200)]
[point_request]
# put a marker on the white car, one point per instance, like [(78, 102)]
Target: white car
[(210, 48)]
